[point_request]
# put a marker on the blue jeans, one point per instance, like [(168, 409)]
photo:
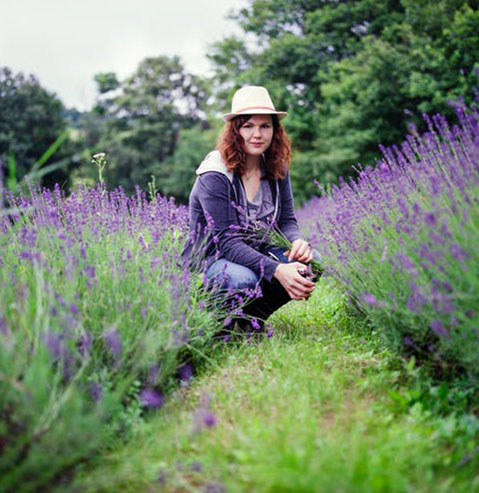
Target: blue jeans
[(228, 275)]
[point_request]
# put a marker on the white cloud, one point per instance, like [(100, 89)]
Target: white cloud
[(65, 42)]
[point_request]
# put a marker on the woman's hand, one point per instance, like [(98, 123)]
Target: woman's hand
[(300, 251), (298, 287)]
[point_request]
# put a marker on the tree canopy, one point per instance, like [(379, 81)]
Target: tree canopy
[(352, 74), (31, 120), (142, 117)]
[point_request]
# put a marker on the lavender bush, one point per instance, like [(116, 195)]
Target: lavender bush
[(96, 317), (403, 238)]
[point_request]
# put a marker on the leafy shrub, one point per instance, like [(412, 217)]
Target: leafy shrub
[(96, 317), (403, 237)]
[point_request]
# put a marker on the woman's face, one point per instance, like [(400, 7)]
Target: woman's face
[(257, 133)]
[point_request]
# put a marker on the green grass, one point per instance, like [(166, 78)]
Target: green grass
[(321, 406)]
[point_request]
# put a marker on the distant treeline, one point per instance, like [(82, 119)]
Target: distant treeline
[(352, 74)]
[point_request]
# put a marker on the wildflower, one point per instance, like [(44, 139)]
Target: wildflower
[(207, 419), (114, 343), (196, 466), (185, 372), (96, 391), (408, 341), (438, 328), (405, 261), (3, 325), (430, 219), (84, 344), (152, 399), (74, 309), (54, 344), (143, 243), (204, 417), (457, 252), (370, 299)]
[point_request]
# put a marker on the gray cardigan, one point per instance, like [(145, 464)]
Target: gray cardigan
[(216, 220)]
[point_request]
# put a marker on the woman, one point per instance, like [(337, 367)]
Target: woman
[(243, 187)]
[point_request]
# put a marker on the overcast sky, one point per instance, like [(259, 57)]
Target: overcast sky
[(64, 43)]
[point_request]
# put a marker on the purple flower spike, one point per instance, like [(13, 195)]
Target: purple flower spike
[(405, 261), (209, 419), (438, 328), (54, 344), (430, 219), (74, 309), (457, 252), (114, 342), (152, 399), (370, 299), (185, 372), (3, 326), (408, 341), (96, 392), (84, 344)]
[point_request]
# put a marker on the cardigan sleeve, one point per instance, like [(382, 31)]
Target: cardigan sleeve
[(214, 196), (287, 221)]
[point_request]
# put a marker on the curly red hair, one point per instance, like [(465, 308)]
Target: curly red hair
[(277, 157)]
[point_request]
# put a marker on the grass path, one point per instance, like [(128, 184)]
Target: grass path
[(321, 406)]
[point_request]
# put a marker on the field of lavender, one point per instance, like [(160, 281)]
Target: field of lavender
[(403, 238), (99, 322)]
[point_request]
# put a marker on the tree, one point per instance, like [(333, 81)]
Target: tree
[(353, 73), (31, 119), (176, 174), (143, 116), (419, 65)]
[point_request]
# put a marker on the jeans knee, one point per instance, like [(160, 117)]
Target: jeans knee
[(228, 275)]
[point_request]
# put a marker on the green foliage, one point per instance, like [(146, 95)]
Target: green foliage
[(176, 174), (352, 74), (400, 239), (32, 130), (106, 82), (138, 120), (315, 405), (90, 315)]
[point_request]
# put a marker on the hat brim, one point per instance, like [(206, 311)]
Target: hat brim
[(229, 116)]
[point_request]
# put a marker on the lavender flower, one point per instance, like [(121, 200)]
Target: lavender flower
[(96, 391), (185, 372), (370, 299), (85, 343), (438, 328), (152, 399), (204, 416), (113, 342), (458, 253)]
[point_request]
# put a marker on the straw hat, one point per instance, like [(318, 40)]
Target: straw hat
[(252, 100)]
